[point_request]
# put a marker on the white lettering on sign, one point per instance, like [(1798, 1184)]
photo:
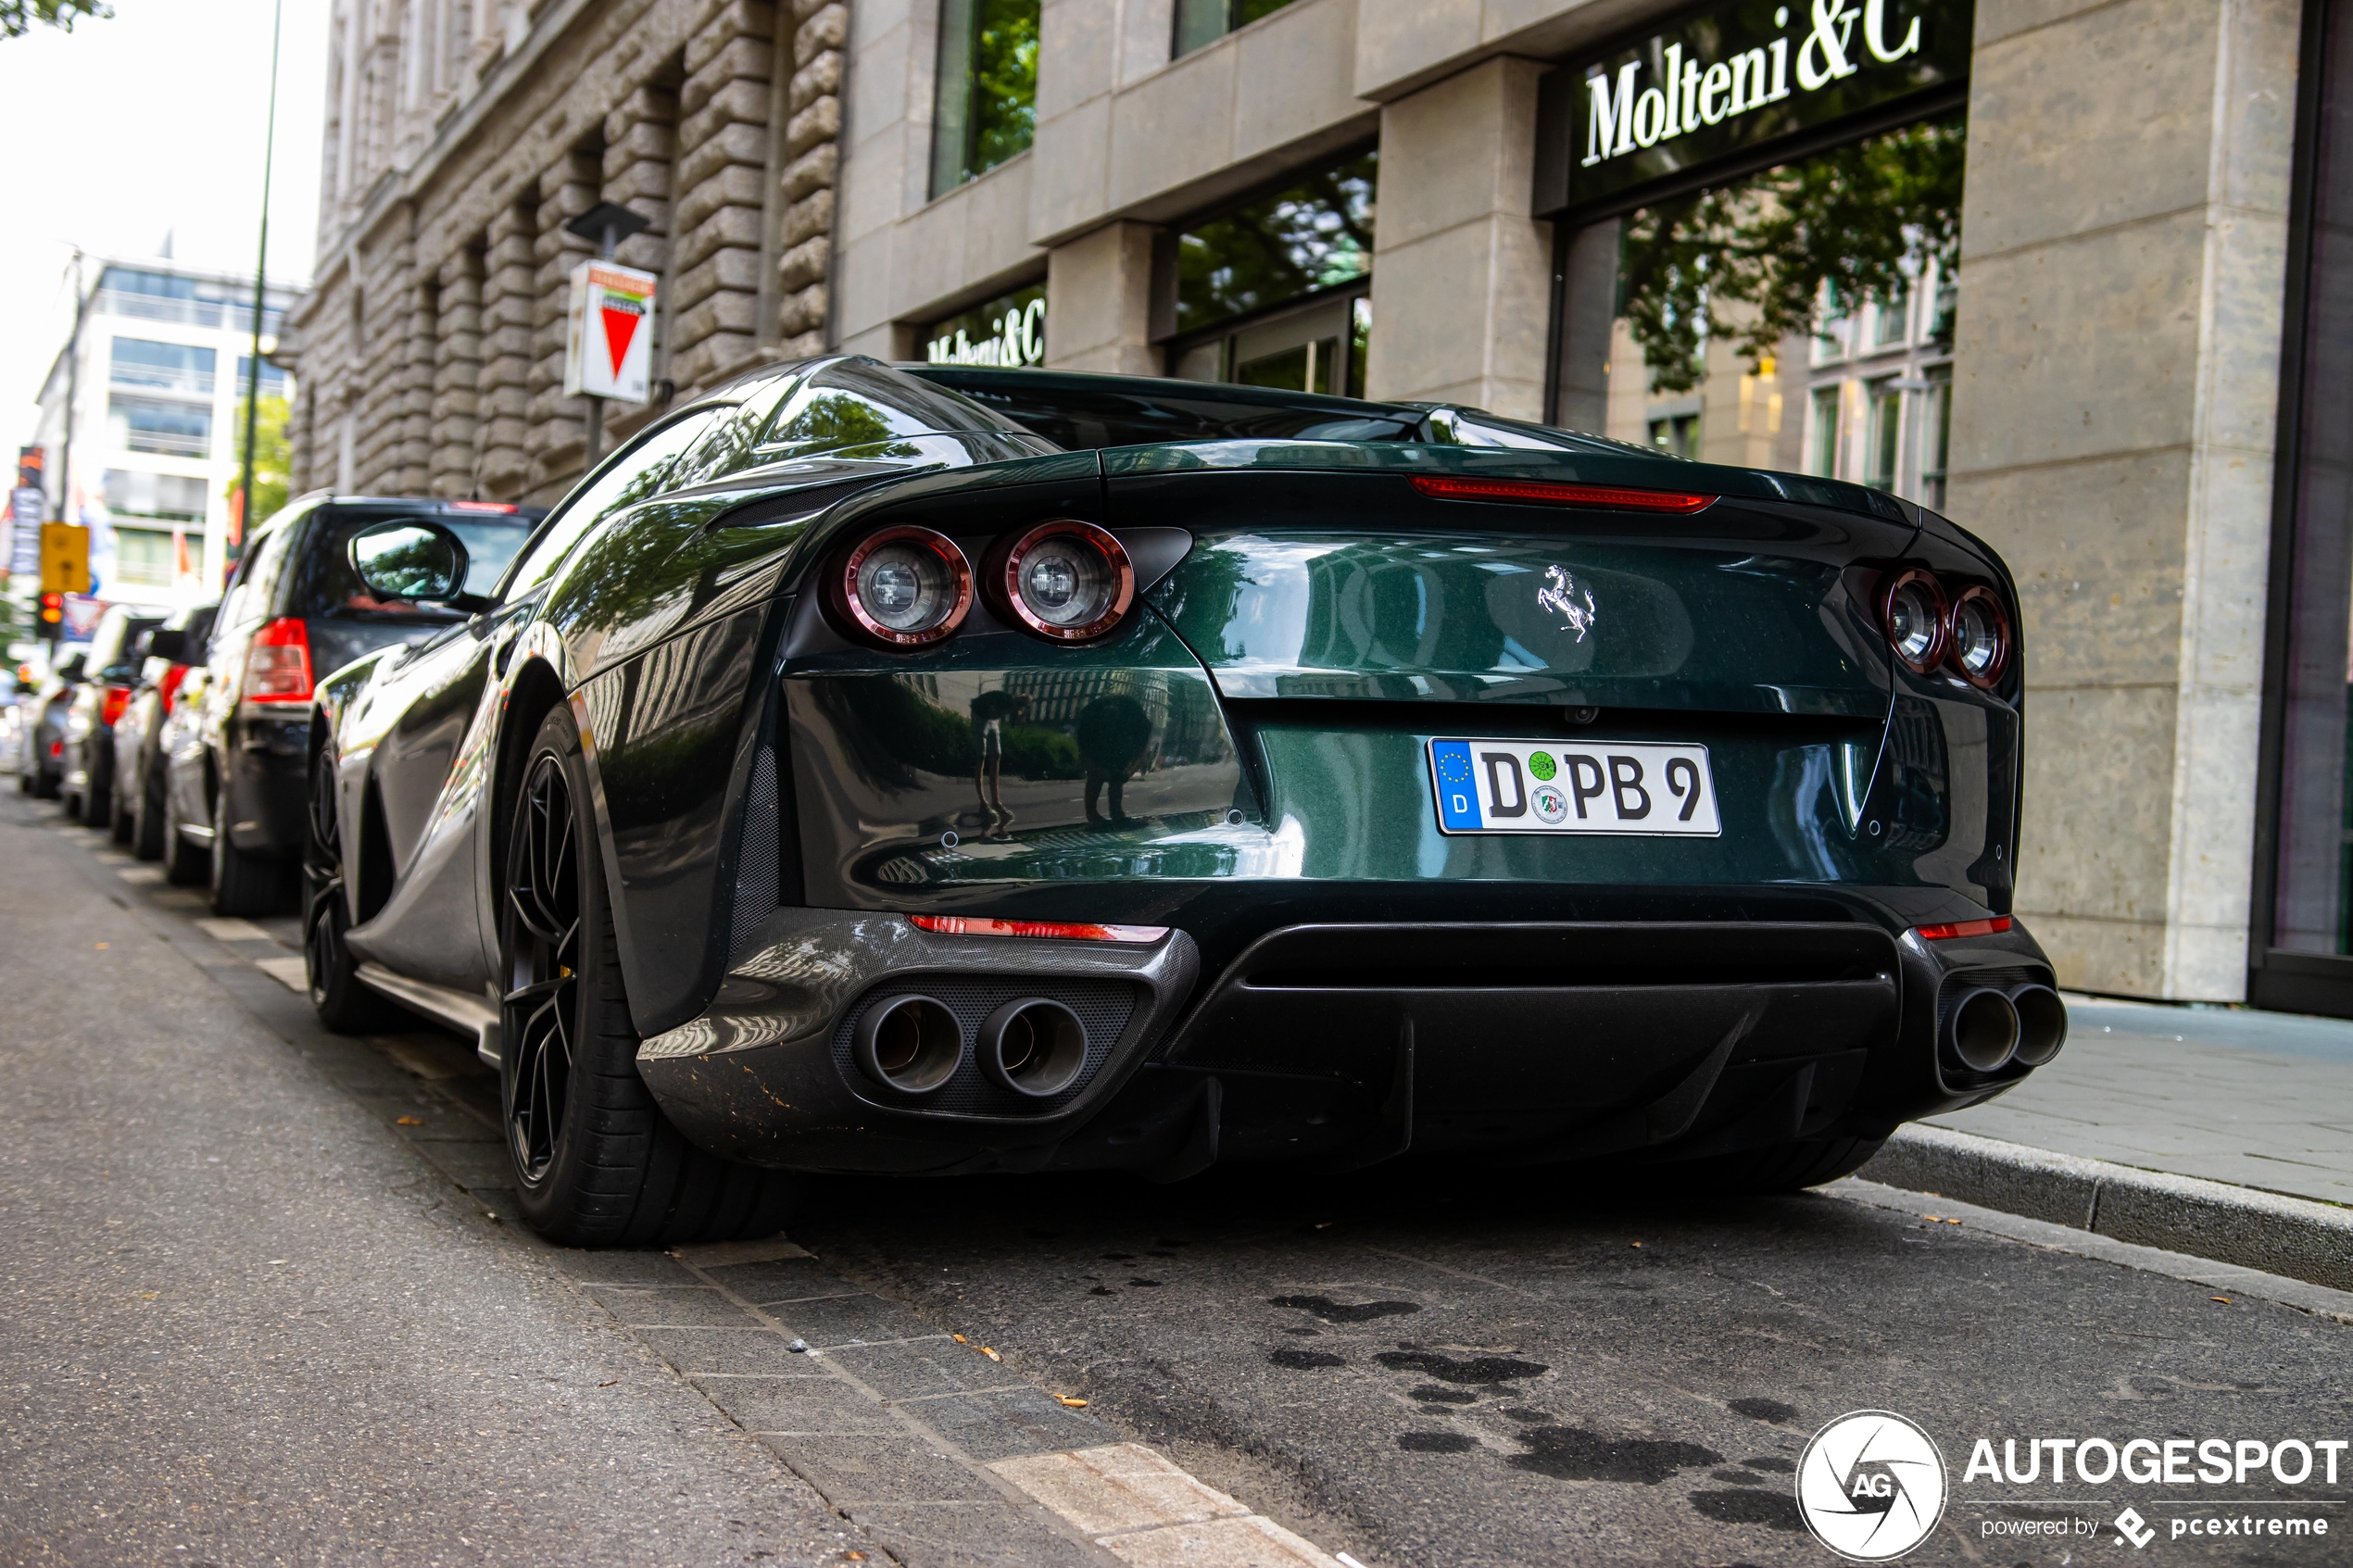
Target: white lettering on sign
[(1016, 338), (1624, 114)]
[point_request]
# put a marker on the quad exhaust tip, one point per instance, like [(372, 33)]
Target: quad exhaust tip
[(1034, 1047), (910, 1044), (1982, 1034), (2041, 1023)]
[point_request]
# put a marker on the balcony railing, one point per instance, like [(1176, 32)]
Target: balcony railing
[(188, 312), (190, 383), (168, 444)]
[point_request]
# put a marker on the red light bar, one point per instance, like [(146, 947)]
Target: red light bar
[(1454, 487), (1081, 930), (481, 506), (1994, 927)]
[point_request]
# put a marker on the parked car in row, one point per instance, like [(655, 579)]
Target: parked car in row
[(171, 650), (41, 756), (235, 748), (111, 671)]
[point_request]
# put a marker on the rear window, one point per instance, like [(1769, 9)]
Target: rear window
[(325, 583), (1081, 415)]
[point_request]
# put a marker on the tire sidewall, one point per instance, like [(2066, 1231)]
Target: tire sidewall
[(543, 1203)]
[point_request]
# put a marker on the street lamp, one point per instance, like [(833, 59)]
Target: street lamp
[(235, 548)]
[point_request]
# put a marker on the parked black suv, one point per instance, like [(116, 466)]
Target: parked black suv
[(296, 610)]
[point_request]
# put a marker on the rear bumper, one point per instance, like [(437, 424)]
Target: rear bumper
[(1338, 1044), (266, 784)]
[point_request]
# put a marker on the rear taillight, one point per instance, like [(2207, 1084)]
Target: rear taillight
[(278, 662), (169, 687), (1545, 493), (904, 587), (1912, 613), (1980, 639), (1079, 930), (112, 703), (1951, 929), (1066, 581)]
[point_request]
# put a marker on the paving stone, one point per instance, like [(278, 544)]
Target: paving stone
[(922, 1367), (785, 1279), (616, 1266), (817, 1402), (670, 1306), (844, 1320), (892, 1467), (1001, 1425), (720, 1349), (970, 1534)]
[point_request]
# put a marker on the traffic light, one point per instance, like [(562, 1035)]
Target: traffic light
[(53, 615), (65, 559)]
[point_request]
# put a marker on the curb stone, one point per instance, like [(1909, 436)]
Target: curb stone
[(2293, 1236)]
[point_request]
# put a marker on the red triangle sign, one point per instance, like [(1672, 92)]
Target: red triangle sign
[(620, 327)]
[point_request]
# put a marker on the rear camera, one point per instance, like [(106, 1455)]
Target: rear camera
[(1066, 581), (1980, 636), (1912, 614), (904, 587)]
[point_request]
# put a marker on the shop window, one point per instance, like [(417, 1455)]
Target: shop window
[(1206, 21), (986, 107), (1272, 293), (1885, 401), (1823, 445), (1009, 330), (1678, 434)]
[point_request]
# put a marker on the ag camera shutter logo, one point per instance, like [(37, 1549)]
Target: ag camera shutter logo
[(1870, 1485)]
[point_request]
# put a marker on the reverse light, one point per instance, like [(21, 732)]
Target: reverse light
[(1912, 613), (1951, 929), (278, 662), (904, 587), (1979, 636), (1066, 581), (111, 702), (1079, 930), (1454, 487)]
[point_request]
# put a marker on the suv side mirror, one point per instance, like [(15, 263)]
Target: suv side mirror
[(412, 561), (168, 644)]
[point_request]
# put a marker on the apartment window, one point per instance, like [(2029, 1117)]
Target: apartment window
[(1886, 433), (1888, 322), (143, 555), (1936, 434), (1832, 327), (987, 109), (1824, 439), (155, 495), (1678, 434), (274, 380), (1206, 21), (167, 366), (166, 429)]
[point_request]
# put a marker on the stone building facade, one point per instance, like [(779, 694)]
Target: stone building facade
[(462, 135)]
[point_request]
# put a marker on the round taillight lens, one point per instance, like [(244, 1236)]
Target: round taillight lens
[(1067, 580), (905, 587), (1980, 636), (1912, 614)]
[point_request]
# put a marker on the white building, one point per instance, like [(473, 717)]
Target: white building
[(154, 381)]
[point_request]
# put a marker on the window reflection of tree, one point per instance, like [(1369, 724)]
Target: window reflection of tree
[(1749, 262), (1312, 235)]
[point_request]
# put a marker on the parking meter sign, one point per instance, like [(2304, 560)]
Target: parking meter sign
[(608, 339)]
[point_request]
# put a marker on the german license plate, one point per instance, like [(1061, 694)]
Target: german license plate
[(1545, 786)]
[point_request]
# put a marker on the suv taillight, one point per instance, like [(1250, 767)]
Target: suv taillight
[(112, 703), (169, 687), (278, 662)]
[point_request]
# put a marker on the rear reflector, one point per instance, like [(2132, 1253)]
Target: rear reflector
[(501, 507), (1081, 931), (1454, 487), (1994, 927)]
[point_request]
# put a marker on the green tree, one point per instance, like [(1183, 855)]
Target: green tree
[(1749, 262), (20, 17), (272, 460)]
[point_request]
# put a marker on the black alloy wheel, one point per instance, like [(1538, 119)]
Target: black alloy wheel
[(596, 1161), (344, 1001)]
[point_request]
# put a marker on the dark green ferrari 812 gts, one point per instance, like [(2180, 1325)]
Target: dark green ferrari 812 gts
[(934, 768)]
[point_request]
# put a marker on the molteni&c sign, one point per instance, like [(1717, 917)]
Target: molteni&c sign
[(1724, 85)]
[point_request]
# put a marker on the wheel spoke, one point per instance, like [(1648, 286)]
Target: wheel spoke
[(540, 939)]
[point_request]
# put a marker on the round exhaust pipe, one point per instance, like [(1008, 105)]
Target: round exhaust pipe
[(1033, 1047), (2041, 1023), (1982, 1031), (908, 1043)]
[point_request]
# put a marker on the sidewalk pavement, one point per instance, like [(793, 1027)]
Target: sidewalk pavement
[(2217, 1133)]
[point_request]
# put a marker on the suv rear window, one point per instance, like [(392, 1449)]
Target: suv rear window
[(325, 585)]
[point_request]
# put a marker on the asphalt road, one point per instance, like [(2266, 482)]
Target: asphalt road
[(261, 1301)]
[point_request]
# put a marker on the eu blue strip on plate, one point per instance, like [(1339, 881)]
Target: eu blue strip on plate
[(1449, 766)]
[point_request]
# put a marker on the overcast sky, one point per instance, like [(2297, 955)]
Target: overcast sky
[(148, 123)]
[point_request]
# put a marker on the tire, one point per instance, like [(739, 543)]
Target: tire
[(243, 883), (342, 1000), (596, 1163), (46, 784), (184, 864), (147, 825), (125, 822), (98, 796), (1788, 1167)]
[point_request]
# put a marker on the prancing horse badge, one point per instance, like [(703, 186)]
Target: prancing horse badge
[(1573, 604)]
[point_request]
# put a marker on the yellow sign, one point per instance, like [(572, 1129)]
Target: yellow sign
[(65, 558)]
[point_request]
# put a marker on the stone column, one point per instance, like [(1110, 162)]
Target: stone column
[(723, 163), (1099, 309), (812, 160), (557, 433), (456, 373), (414, 459), (1461, 275), (510, 302), (2117, 368)]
